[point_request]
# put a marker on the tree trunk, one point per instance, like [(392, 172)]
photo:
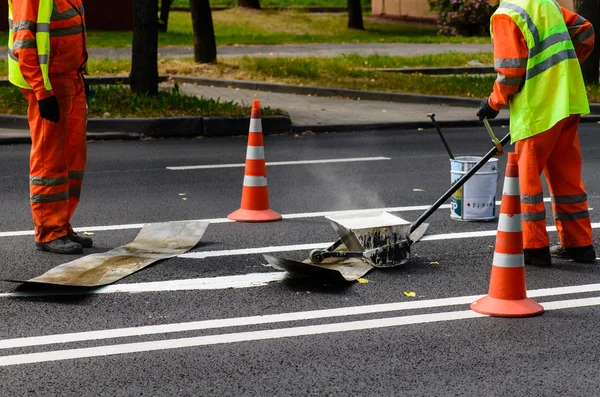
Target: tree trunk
[(144, 51), (355, 19), (249, 4), (165, 7), (205, 47), (590, 10)]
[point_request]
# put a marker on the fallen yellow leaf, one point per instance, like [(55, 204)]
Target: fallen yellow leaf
[(435, 263), (362, 280), (410, 294)]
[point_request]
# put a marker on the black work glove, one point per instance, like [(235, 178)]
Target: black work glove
[(485, 111), (49, 109)]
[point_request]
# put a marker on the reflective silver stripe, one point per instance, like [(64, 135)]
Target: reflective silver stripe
[(24, 25), (43, 59), (572, 199), (510, 63), (532, 199), (74, 191), (510, 81), (255, 181), (508, 260), (549, 42), (49, 198), (571, 216), (71, 30), (255, 153), (511, 186), (548, 63), (76, 175), (68, 14), (255, 125), (583, 36), (507, 223), (532, 28), (534, 216), (579, 22), (41, 181), (26, 43)]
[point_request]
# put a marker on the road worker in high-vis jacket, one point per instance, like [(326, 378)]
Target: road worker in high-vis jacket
[(538, 48), (46, 58)]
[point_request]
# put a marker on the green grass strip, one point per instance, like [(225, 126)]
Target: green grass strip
[(119, 102)]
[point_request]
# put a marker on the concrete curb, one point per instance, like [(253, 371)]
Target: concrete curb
[(330, 92), (188, 127)]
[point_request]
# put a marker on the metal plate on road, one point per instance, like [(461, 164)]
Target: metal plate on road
[(346, 269), (154, 242)]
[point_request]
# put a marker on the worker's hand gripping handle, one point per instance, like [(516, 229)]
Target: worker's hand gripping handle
[(493, 136)]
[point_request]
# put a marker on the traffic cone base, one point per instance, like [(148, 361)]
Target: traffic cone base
[(243, 215), (507, 308)]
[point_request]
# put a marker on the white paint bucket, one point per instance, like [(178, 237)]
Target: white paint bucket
[(476, 199)]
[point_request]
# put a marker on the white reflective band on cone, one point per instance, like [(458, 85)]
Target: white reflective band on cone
[(508, 260), (511, 186), (508, 223), (255, 181), (255, 125), (255, 153)]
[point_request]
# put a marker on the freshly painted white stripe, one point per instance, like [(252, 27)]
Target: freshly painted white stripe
[(507, 223), (194, 284), (255, 181), (272, 163), (511, 186), (255, 125), (273, 318), (232, 322), (60, 355), (251, 251), (226, 220), (255, 153), (508, 260), (108, 350)]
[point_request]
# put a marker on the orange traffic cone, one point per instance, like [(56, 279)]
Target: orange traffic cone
[(255, 194), (507, 296)]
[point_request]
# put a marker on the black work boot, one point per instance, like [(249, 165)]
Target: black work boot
[(537, 256), (85, 242), (578, 254), (61, 245)]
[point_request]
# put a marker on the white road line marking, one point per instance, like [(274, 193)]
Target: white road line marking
[(194, 284), (225, 220), (273, 318), (272, 163), (107, 350)]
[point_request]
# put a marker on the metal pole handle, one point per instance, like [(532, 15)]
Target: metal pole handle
[(437, 127), (495, 140)]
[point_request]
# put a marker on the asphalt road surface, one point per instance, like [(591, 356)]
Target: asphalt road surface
[(218, 322)]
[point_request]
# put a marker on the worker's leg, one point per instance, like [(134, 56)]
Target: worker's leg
[(48, 176), (569, 199), (533, 154), (76, 144)]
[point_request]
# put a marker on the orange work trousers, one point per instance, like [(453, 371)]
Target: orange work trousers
[(556, 152), (57, 159)]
